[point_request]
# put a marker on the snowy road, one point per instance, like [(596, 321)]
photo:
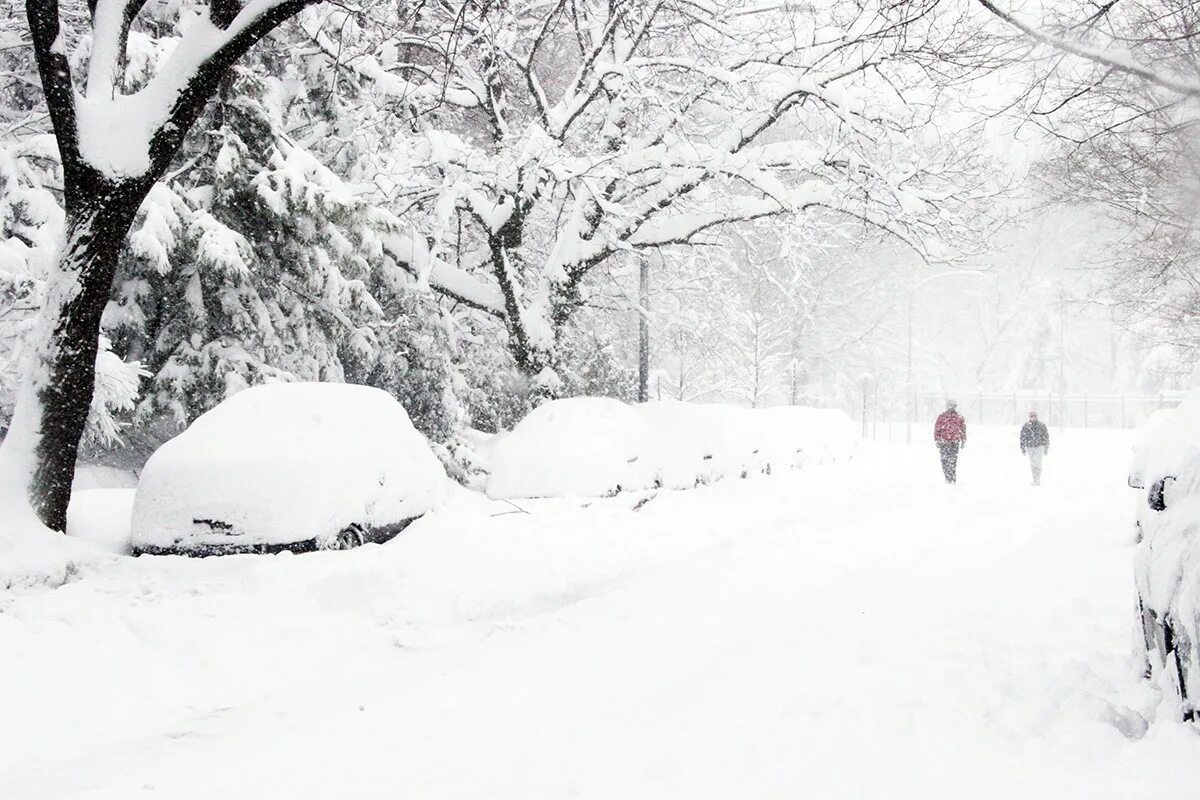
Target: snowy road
[(856, 632)]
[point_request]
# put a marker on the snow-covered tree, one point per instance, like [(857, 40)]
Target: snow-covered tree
[(572, 134), (1113, 86), (113, 148)]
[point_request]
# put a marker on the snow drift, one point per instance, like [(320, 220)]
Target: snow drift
[(101, 516), (286, 463)]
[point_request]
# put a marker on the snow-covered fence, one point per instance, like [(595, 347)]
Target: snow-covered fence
[(1070, 410), (593, 447)]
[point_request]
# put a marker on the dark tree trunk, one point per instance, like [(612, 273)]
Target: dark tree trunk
[(65, 366), (53, 406), (531, 354), (643, 330)]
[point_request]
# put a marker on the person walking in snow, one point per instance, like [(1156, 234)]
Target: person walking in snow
[(1035, 443), (950, 436)]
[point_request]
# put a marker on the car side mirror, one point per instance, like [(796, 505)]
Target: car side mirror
[(1156, 498)]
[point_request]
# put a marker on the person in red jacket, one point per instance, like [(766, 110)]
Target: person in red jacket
[(950, 436)]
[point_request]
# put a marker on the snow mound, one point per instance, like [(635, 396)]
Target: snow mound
[(102, 517), (32, 555), (286, 463), (577, 447), (588, 447)]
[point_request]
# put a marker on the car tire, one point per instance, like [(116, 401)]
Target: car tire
[(352, 536)]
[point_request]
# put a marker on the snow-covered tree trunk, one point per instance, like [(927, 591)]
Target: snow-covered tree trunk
[(643, 330), (51, 417), (114, 147)]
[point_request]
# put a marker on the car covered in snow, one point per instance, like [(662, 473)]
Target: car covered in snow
[(1166, 470), (598, 447), (294, 466), (575, 447), (1146, 434), (700, 443)]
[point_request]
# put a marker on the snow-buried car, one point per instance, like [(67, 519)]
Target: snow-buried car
[(575, 447), (596, 447), (297, 466), (1166, 467)]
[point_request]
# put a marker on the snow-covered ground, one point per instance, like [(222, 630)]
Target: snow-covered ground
[(856, 631)]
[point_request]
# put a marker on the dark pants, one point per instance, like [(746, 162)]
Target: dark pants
[(949, 451)]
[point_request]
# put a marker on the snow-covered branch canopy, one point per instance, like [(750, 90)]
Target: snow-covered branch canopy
[(117, 136), (1111, 58)]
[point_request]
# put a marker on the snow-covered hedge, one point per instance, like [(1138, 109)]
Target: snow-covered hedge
[(1167, 562), (592, 447)]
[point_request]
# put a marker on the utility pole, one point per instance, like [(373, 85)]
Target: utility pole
[(643, 329), (792, 367), (908, 380), (1062, 358), (866, 379)]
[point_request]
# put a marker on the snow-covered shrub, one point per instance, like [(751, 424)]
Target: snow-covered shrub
[(496, 395), (580, 446), (592, 366), (413, 364), (1167, 560)]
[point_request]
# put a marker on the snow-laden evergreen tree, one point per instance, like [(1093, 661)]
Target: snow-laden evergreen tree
[(261, 264)]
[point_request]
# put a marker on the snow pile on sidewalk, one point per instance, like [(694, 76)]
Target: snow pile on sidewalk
[(285, 463), (593, 447)]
